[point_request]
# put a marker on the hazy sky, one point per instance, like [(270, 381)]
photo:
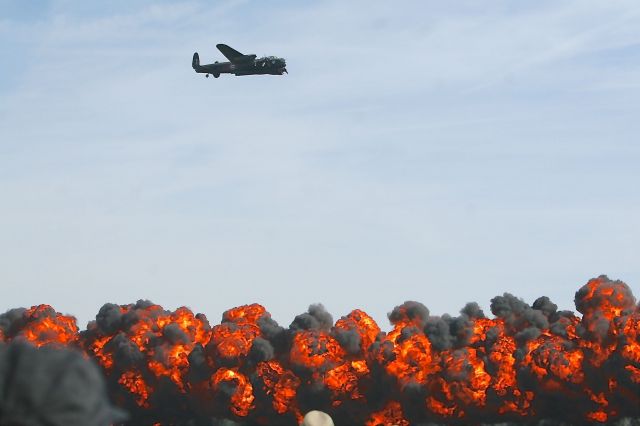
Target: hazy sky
[(436, 151)]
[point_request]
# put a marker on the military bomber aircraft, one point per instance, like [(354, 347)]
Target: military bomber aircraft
[(240, 64)]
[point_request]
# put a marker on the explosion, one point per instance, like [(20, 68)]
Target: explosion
[(525, 365)]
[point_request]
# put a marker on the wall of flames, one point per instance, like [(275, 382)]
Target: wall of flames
[(527, 363)]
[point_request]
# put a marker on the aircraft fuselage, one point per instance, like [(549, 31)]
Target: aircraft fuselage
[(239, 69)]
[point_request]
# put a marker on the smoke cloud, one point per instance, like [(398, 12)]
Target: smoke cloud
[(528, 365)]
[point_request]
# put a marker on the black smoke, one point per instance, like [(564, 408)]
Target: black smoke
[(539, 341)]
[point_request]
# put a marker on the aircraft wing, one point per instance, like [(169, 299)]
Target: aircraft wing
[(231, 54)]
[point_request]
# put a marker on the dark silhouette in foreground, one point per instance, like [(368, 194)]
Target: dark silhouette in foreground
[(51, 387)]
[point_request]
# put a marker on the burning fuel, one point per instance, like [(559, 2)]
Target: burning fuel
[(525, 365)]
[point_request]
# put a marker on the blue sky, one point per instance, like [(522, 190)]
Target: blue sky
[(443, 152)]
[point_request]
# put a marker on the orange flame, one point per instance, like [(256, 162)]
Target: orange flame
[(45, 326)]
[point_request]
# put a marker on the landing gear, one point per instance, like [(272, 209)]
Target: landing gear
[(216, 75), (207, 75)]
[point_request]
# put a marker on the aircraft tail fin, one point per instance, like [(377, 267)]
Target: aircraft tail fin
[(195, 63)]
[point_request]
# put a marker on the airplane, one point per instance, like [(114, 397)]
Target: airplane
[(240, 64)]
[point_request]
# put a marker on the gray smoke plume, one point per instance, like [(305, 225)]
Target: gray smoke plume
[(410, 310), (520, 319), (316, 318)]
